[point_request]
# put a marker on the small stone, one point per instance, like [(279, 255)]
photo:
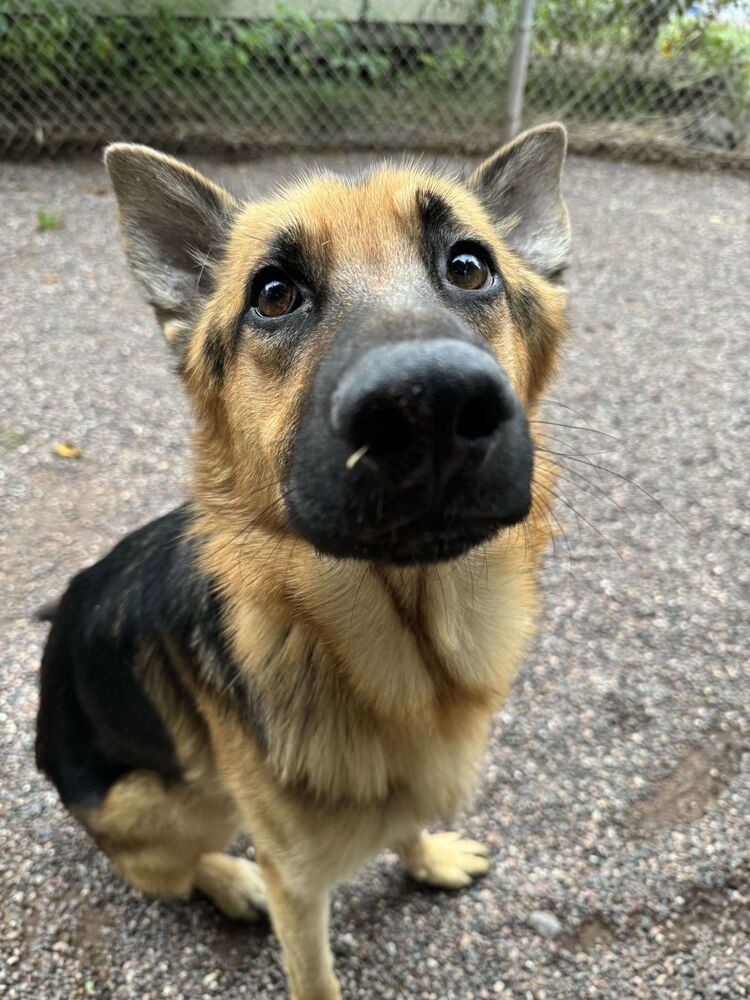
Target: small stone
[(545, 923), (344, 944)]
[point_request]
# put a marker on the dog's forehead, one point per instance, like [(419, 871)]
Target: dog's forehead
[(368, 216)]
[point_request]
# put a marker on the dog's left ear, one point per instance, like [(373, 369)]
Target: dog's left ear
[(520, 188), (175, 222)]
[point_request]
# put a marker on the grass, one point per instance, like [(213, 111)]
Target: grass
[(12, 438), (47, 219)]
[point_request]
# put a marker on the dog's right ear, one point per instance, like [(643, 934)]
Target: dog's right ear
[(175, 223), (520, 188)]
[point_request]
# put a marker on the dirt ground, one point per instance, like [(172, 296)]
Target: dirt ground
[(616, 793)]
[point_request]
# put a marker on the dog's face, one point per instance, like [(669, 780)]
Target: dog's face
[(363, 352)]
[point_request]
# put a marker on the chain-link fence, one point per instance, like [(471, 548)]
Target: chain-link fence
[(654, 78)]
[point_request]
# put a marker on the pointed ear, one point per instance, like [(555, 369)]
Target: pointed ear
[(520, 188), (174, 222)]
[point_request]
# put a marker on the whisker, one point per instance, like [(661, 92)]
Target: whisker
[(601, 534), (525, 531), (585, 454), (625, 479), (254, 522), (565, 539), (282, 535), (578, 427), (442, 591), (547, 530), (566, 406), (573, 448), (356, 595), (550, 533), (598, 490), (244, 535)]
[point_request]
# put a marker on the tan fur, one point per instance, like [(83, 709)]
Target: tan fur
[(383, 736)]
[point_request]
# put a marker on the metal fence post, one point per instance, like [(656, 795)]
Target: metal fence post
[(518, 67)]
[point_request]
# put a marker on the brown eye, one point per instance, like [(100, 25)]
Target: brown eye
[(276, 296), (466, 269)]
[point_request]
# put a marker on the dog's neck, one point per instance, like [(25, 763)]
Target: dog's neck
[(405, 657), (426, 625)]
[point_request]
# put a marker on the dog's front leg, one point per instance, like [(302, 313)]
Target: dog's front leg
[(301, 925), (443, 859)]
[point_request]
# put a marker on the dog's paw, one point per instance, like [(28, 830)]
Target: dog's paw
[(448, 861), (234, 884)]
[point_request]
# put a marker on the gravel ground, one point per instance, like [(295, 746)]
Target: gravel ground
[(616, 797)]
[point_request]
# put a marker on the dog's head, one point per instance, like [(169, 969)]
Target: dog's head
[(363, 352)]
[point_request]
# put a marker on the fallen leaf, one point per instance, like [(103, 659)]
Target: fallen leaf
[(97, 189), (51, 278), (67, 450), (89, 274)]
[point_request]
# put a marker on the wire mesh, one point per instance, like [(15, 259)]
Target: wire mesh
[(648, 77)]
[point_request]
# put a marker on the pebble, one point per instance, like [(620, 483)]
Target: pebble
[(545, 923)]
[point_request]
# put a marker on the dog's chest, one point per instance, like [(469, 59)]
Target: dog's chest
[(357, 742), (343, 754), (365, 701)]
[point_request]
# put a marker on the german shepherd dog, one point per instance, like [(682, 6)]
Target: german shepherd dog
[(311, 648)]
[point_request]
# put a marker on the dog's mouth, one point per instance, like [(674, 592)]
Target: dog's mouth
[(430, 537)]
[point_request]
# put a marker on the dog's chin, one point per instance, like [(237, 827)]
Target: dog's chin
[(431, 538)]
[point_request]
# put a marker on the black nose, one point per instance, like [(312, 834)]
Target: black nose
[(422, 409)]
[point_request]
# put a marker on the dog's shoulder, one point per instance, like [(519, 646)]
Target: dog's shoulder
[(147, 584), (120, 620)]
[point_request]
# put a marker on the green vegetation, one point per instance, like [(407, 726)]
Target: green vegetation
[(64, 47), (290, 75), (47, 219), (630, 58), (703, 52), (294, 75), (12, 437)]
